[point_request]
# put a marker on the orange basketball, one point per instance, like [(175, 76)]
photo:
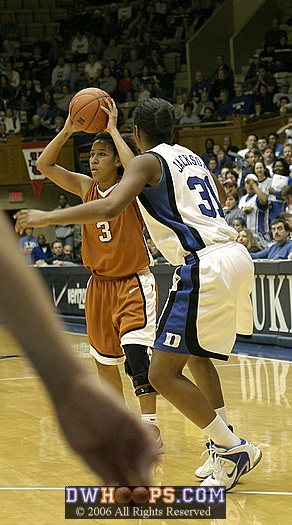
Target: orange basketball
[(123, 495), (140, 495), (85, 109)]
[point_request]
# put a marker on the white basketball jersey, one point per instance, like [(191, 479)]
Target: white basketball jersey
[(183, 213)]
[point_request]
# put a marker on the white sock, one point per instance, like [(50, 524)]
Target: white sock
[(219, 432), (222, 412), (150, 418)]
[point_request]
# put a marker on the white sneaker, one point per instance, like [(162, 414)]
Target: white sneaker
[(207, 468), (232, 463)]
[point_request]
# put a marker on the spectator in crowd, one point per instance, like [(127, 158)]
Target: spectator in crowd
[(221, 64), (12, 122), (111, 51), (163, 83), (209, 144), (221, 81), (125, 86), (280, 178), (258, 113), (154, 61), (239, 223), (12, 75), (182, 34), (27, 242), (269, 158), (156, 254), (282, 57), (266, 78), (58, 124), (48, 109), (252, 156), (213, 165), (20, 63), (231, 209), (282, 247), (287, 154), (64, 232), (263, 175), (107, 81), (135, 64), (223, 110), (265, 99), (241, 104), (283, 92), (273, 37), (37, 129), (256, 208), (287, 217), (286, 196), (42, 252), (189, 118), (273, 139), (79, 47), (148, 43), (40, 67), (262, 143), (63, 101), (286, 130), (92, 70), (246, 238), (203, 103), (59, 258), (224, 160), (228, 146), (199, 85), (74, 78), (252, 72), (60, 74), (251, 142), (209, 116), (6, 92), (28, 98)]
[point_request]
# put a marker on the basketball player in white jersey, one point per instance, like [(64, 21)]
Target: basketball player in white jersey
[(209, 302)]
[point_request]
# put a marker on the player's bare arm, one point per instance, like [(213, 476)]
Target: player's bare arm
[(140, 171), (125, 153), (76, 183)]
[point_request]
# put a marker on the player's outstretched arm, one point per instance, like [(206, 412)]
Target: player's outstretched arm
[(71, 181), (100, 429)]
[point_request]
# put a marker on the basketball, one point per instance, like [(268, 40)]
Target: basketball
[(123, 495), (85, 109), (140, 495)]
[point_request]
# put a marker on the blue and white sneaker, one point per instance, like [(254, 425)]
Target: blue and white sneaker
[(232, 463), (207, 468)]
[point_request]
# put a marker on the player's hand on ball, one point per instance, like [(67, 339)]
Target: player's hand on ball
[(112, 112), (69, 126), (29, 218)]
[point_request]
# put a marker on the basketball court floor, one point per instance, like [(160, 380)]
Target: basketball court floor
[(36, 463)]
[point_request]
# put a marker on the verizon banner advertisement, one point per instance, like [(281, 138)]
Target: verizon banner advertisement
[(31, 152)]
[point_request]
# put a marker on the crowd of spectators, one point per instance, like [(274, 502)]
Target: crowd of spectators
[(117, 47), (121, 48)]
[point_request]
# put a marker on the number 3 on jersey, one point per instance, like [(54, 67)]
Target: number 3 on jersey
[(212, 206), (105, 230)]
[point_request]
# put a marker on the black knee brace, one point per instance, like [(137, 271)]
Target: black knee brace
[(136, 366)]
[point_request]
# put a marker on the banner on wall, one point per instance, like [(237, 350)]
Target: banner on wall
[(31, 152)]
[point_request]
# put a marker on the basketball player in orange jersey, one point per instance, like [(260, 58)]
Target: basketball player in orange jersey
[(121, 295)]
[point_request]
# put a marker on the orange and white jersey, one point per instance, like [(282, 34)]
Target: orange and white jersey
[(114, 249)]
